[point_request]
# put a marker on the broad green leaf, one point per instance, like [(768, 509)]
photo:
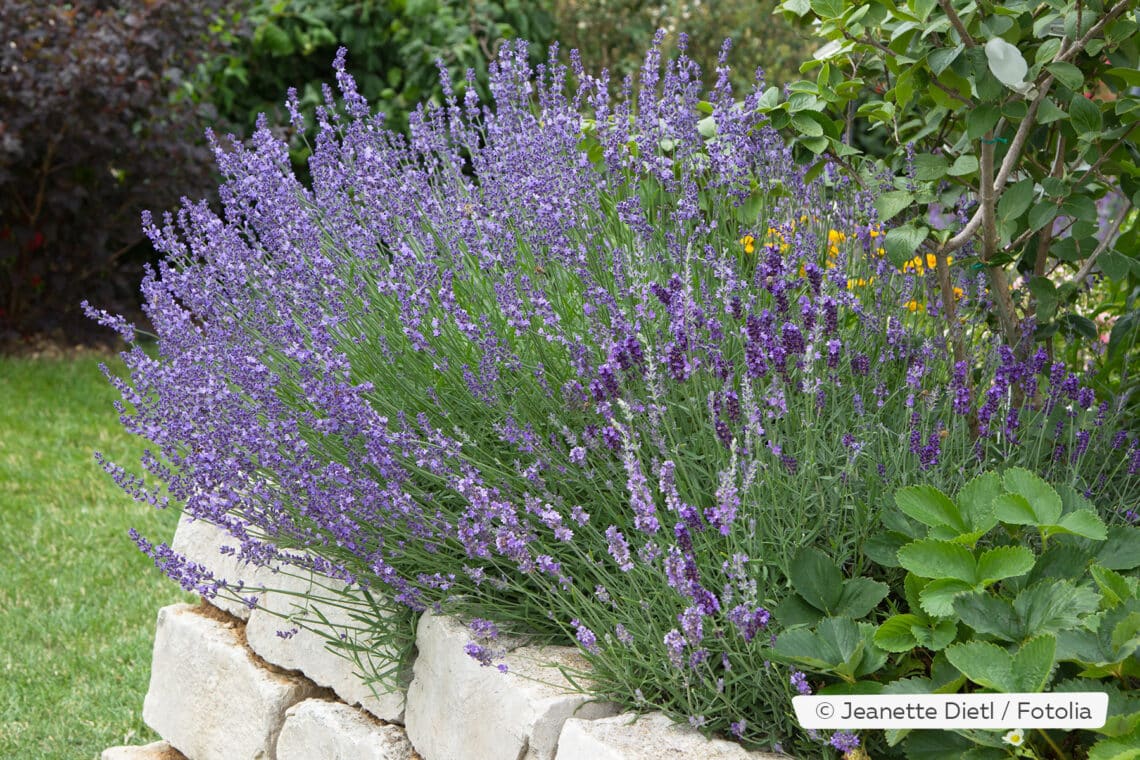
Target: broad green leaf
[(1130, 76), (1003, 562), (1045, 293), (1049, 112), (983, 663), (930, 507), (1085, 116), (983, 118), (707, 127), (900, 243), (890, 204), (976, 501), (1115, 266), (937, 598), (1041, 214), (963, 165), (826, 9), (1067, 74), (769, 99), (939, 560), (1014, 202), (1045, 501), (859, 597), (806, 125), (1060, 561), (942, 57), (815, 577), (1083, 522), (1006, 63), (989, 615), (1033, 663), (275, 39), (798, 7), (929, 167)]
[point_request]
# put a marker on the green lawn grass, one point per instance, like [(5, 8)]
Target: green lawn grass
[(77, 599)]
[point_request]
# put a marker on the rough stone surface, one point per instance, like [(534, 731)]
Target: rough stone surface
[(209, 696), (649, 737), (201, 542), (326, 730), (153, 751), (306, 650), (460, 710)]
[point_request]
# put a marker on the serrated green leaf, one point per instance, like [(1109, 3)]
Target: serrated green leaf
[(890, 204), (930, 507), (859, 597), (1053, 606), (816, 578), (895, 635), (1121, 551), (1083, 522), (976, 501), (1014, 509), (935, 635), (1119, 748), (794, 611), (1003, 562), (1033, 664), (937, 598), (930, 558), (983, 663), (1067, 74), (1043, 498), (988, 615), (1114, 587)]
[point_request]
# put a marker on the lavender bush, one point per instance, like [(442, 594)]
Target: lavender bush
[(580, 370)]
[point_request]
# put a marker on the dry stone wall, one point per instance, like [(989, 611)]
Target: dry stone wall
[(225, 686)]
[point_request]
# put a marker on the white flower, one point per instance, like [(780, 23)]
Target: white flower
[(1016, 737)]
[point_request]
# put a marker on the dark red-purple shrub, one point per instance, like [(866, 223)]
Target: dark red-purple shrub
[(91, 133)]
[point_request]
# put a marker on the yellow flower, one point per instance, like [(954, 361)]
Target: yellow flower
[(915, 306), (749, 243), (958, 293), (876, 231), (1016, 737), (880, 251), (859, 283)]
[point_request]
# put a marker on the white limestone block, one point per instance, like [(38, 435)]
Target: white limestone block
[(152, 751), (209, 696), (460, 710), (649, 737), (291, 593), (317, 728), (201, 541)]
